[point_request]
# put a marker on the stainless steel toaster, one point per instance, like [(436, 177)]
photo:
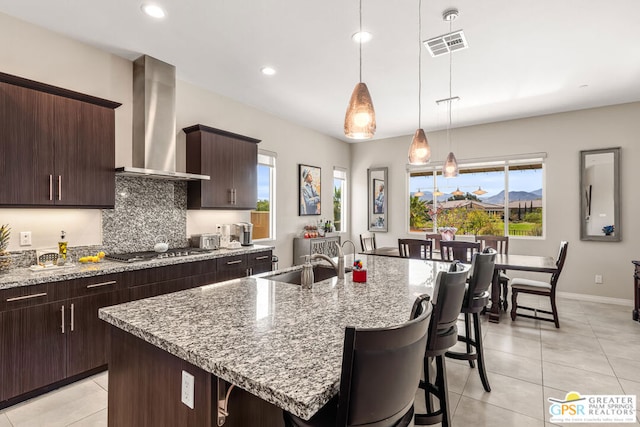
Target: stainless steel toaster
[(205, 241)]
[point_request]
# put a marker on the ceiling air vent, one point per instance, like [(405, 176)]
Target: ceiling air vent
[(446, 43)]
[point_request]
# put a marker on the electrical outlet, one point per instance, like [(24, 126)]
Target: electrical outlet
[(25, 238), (187, 389), (599, 279)]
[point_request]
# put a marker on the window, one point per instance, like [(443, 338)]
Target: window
[(340, 199), (263, 217), (499, 197)]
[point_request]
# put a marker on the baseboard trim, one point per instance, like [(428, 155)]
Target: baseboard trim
[(596, 298)]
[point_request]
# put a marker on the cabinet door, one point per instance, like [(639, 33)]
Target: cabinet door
[(260, 262), (27, 155), (231, 267), (85, 154), (245, 174), (88, 336), (212, 155), (33, 348)]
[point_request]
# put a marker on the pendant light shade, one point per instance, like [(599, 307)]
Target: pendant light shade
[(360, 120), (437, 193), (450, 167), (419, 151), (418, 193), (479, 192), (458, 192)]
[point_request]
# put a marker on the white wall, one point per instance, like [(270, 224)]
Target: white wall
[(41, 55), (561, 136)]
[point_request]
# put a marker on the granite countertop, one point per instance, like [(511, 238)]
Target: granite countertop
[(24, 277), (273, 339)]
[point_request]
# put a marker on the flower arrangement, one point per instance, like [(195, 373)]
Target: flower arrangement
[(608, 229)]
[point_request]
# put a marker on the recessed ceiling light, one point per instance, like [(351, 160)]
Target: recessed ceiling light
[(153, 10), (583, 86), (268, 71), (361, 37)]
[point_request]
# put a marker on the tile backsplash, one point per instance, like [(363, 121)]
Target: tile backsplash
[(144, 209)]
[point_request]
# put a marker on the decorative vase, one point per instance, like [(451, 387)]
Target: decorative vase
[(447, 233)]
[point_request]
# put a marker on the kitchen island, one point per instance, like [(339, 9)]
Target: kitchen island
[(280, 346)]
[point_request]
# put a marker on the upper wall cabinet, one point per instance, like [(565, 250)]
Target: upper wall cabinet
[(58, 146), (230, 160)]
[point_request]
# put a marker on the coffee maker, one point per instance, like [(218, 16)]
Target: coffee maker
[(244, 231)]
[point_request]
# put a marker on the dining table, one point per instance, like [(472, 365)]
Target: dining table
[(530, 263)]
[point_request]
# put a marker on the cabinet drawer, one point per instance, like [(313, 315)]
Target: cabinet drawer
[(95, 285), (25, 296), (168, 272), (259, 258), (232, 263)]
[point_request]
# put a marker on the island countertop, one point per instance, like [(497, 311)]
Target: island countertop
[(273, 339)]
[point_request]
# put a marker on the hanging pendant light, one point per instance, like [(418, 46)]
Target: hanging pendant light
[(419, 150), (458, 192), (418, 193), (360, 119), (479, 192), (438, 193), (450, 167)]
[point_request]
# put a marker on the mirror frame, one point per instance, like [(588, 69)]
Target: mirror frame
[(371, 216), (584, 208)]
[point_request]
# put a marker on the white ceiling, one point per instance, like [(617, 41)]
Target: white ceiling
[(526, 57)]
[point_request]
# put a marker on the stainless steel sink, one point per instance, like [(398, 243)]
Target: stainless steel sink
[(320, 272)]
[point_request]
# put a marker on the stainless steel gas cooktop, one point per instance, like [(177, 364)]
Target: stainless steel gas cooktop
[(149, 255)]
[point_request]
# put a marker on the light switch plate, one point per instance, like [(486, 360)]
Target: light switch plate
[(187, 389)]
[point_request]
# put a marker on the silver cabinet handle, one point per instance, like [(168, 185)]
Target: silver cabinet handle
[(72, 317), (59, 187), (62, 324), (258, 258), (97, 285), (43, 294), (234, 262), (50, 187), (231, 196)]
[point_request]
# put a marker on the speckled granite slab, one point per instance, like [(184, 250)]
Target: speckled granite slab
[(24, 277), (273, 339)]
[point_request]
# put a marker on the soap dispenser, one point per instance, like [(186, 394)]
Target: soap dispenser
[(307, 273)]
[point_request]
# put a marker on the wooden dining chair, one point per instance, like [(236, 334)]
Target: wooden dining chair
[(458, 250), (368, 242), (501, 245), (415, 248), (535, 287), (435, 238)]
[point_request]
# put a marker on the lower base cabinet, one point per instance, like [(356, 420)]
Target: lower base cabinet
[(51, 332), (33, 349)]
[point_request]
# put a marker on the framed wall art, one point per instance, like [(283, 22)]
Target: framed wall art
[(309, 183)]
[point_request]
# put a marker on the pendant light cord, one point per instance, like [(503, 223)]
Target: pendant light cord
[(419, 64), (360, 41), (450, 66)]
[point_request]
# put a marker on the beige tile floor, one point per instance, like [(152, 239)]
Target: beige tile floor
[(596, 351)]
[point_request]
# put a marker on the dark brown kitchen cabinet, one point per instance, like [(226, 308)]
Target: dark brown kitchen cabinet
[(51, 332), (230, 160), (242, 265), (33, 348), (58, 146)]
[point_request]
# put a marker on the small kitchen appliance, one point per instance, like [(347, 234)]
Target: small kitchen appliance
[(225, 234), (205, 241), (244, 231)]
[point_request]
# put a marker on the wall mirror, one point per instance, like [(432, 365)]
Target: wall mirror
[(600, 195), (377, 190)]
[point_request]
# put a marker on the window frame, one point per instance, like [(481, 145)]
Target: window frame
[(271, 163), (505, 161), (344, 210)]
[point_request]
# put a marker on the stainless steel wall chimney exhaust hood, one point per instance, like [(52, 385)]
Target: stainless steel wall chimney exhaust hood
[(154, 122)]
